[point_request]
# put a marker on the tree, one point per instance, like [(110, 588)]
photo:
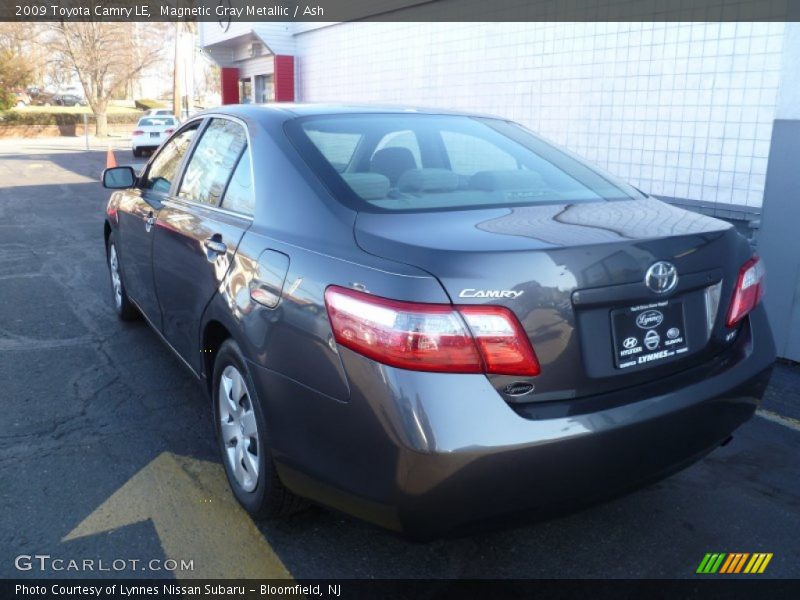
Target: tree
[(104, 58)]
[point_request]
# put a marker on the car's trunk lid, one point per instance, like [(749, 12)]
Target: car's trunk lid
[(568, 272)]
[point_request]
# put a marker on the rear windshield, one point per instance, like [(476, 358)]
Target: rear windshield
[(414, 162), (155, 122)]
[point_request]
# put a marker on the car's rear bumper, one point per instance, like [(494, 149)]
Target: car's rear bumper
[(424, 452)]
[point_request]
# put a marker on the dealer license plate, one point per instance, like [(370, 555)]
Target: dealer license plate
[(648, 333)]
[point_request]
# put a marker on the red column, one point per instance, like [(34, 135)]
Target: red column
[(284, 78), (229, 78)]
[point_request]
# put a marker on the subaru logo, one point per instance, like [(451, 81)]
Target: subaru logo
[(649, 319), (661, 277)]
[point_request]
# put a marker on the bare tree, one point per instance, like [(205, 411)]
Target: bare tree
[(100, 54)]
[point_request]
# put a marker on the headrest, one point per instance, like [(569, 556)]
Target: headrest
[(511, 179), (369, 186), (428, 180), (392, 162)]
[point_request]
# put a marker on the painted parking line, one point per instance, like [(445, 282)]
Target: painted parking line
[(195, 516), (779, 419)]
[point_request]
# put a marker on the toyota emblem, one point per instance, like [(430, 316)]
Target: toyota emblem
[(661, 277)]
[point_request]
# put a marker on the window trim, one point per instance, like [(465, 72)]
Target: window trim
[(173, 196), (179, 171)]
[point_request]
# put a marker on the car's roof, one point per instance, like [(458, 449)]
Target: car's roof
[(290, 110)]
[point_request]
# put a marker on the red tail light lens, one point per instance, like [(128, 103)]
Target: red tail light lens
[(138, 132), (748, 291), (431, 337), (168, 131)]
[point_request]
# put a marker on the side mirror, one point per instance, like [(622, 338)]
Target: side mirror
[(119, 178)]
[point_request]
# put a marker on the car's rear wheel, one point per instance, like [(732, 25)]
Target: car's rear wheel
[(241, 435), (122, 305)]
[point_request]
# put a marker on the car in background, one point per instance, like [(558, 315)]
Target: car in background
[(21, 99), (161, 112), (425, 318), (67, 100), (150, 132)]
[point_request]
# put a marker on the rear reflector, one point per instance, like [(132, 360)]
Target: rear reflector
[(431, 337), (748, 291)]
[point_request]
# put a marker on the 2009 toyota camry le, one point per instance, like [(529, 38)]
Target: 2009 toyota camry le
[(428, 319)]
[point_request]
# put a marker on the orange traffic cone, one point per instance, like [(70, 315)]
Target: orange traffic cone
[(110, 160)]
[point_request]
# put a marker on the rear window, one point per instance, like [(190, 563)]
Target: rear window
[(415, 162), (156, 122)]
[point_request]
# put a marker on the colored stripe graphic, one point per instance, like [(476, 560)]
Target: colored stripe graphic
[(758, 563), (734, 563), (711, 562)]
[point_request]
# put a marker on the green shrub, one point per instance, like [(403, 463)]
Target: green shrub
[(7, 99), (147, 104), (13, 117)]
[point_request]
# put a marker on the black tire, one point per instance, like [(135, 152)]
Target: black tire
[(269, 498), (137, 153), (123, 306)]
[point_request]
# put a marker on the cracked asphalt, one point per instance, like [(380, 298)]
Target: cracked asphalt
[(88, 402)]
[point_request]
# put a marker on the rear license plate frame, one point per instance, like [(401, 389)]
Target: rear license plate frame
[(648, 334)]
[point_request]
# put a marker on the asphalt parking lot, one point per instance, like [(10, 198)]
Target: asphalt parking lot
[(107, 449)]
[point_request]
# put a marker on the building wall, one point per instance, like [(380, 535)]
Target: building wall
[(681, 110)]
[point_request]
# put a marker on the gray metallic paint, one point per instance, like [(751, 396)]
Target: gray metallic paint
[(424, 452)]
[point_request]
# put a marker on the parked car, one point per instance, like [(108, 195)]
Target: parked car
[(43, 98), (160, 112), (150, 132), (430, 318), (21, 99), (67, 100)]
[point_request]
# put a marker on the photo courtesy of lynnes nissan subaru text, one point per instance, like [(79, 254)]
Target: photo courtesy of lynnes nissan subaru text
[(427, 319)]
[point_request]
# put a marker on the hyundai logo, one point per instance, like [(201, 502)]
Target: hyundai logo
[(649, 319), (661, 277), (630, 342)]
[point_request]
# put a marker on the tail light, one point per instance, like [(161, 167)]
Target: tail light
[(138, 132), (431, 337), (748, 291), (168, 131)]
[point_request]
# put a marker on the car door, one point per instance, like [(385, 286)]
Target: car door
[(137, 215), (198, 230)]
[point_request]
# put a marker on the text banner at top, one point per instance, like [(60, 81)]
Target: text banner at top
[(226, 12)]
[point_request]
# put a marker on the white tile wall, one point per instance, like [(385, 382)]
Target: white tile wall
[(678, 109)]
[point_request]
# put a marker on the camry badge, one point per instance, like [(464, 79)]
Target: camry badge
[(661, 277), (473, 293)]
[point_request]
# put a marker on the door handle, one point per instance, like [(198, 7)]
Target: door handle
[(215, 246), (149, 222)]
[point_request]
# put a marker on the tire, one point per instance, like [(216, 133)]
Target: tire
[(241, 434), (124, 308), (137, 153)]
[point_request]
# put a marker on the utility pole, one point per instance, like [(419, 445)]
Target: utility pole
[(177, 73)]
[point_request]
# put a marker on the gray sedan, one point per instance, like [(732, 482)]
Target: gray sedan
[(427, 319)]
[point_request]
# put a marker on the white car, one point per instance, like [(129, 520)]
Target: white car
[(160, 112), (151, 131)]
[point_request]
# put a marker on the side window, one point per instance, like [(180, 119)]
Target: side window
[(165, 165), (239, 196), (401, 139), (212, 162), (469, 154)]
